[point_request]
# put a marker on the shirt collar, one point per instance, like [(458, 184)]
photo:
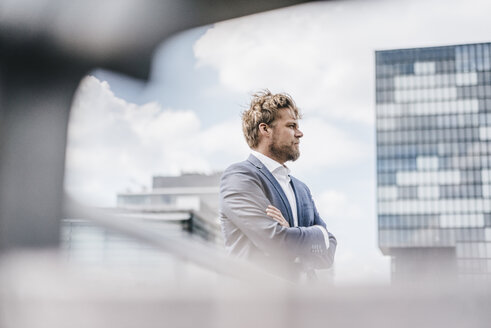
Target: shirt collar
[(270, 163)]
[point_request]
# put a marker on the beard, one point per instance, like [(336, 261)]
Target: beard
[(286, 152)]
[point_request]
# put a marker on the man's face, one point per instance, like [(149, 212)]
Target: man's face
[(286, 137)]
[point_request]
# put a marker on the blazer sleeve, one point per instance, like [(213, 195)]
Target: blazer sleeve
[(243, 202)]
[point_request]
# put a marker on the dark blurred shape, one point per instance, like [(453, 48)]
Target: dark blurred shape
[(119, 35), (46, 47)]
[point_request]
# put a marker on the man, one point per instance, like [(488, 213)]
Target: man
[(266, 215)]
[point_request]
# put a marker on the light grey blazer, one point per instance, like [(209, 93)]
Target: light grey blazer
[(246, 189)]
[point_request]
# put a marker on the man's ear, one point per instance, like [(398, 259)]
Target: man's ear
[(264, 129)]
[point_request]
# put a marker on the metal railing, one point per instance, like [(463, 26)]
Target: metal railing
[(204, 254)]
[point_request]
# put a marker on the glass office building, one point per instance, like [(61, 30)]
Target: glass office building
[(433, 118)]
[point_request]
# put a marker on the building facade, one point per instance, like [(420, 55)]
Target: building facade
[(191, 193), (182, 210), (433, 122)]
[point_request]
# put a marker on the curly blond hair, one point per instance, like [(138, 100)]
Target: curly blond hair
[(264, 108)]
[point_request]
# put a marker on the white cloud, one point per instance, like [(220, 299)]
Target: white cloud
[(326, 146), (323, 53), (269, 50), (225, 137), (114, 145), (358, 259)]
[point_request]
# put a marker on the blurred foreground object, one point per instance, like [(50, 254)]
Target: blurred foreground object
[(39, 290)]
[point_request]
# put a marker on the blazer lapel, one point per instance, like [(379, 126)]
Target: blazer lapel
[(257, 163), (294, 187)]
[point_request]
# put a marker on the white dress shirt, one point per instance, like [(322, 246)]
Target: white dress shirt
[(282, 175)]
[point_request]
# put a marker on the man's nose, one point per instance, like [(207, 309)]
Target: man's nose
[(298, 134)]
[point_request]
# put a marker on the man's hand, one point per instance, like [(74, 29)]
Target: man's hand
[(277, 216)]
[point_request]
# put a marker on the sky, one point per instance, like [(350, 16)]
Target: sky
[(186, 118)]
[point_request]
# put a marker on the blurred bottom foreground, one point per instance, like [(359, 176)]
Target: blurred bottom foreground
[(101, 277)]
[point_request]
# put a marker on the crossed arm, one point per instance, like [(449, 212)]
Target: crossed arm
[(244, 203), (275, 213)]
